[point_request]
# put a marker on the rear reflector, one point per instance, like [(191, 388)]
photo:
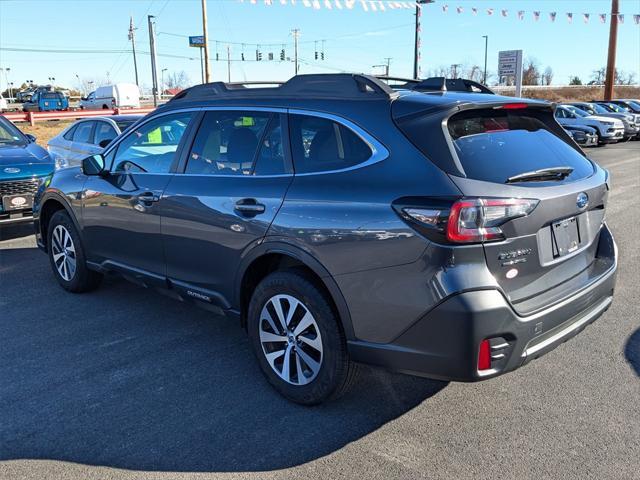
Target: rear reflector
[(484, 355)]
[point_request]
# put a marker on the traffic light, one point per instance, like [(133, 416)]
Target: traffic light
[(270, 56), (322, 56), (316, 55), (282, 55), (217, 57), (258, 56), (242, 56)]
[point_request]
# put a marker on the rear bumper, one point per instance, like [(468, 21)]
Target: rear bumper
[(444, 344)]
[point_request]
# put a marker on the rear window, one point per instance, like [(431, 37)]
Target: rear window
[(493, 145), (52, 96)]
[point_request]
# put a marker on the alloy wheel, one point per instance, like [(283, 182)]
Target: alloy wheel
[(64, 252), (290, 339)]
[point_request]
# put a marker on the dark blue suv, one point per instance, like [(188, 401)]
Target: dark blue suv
[(434, 231)]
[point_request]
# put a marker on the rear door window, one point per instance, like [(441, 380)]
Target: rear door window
[(493, 145), (320, 145), (104, 131), (83, 132)]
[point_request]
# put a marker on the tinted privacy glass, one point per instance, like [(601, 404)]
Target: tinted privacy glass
[(104, 131), (495, 145), (227, 142), (83, 132), (152, 147), (320, 144), (271, 160)]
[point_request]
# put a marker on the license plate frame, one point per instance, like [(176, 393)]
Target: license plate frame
[(11, 203), (565, 236)]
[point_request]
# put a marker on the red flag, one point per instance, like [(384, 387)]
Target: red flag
[(552, 16), (569, 17), (620, 18), (445, 8), (505, 13), (520, 14), (603, 18), (459, 10), (489, 11), (636, 19), (474, 10), (536, 16), (585, 17)]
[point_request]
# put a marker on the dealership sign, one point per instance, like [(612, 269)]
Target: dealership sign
[(197, 41), (510, 65)]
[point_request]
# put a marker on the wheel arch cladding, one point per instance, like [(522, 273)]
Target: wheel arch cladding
[(270, 258)]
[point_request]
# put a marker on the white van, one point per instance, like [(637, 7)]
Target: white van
[(120, 95)]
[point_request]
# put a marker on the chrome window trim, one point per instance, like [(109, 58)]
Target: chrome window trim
[(378, 151)]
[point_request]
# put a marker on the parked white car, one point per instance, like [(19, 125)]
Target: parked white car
[(120, 95), (609, 130), (87, 137)]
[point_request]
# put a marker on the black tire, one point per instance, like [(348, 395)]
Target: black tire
[(336, 372), (83, 279)]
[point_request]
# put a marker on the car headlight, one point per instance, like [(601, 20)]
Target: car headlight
[(607, 123)]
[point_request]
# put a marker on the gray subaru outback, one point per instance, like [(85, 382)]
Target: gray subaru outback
[(423, 227)]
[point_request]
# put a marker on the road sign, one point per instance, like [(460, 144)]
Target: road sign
[(197, 41), (510, 65)]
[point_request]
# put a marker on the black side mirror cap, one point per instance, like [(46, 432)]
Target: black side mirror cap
[(105, 142), (93, 165)]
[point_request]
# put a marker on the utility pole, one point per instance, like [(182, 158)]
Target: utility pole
[(416, 45), (201, 66), (296, 33), (207, 72), (388, 59), (486, 46), (152, 49), (611, 57), (133, 48), (454, 69), (229, 63)]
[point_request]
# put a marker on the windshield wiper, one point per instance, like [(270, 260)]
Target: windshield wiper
[(542, 175)]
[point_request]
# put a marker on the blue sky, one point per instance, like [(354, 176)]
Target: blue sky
[(354, 40)]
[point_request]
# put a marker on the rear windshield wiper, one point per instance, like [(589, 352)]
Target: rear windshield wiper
[(544, 174)]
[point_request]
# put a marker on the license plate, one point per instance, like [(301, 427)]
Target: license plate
[(565, 236), (17, 202)]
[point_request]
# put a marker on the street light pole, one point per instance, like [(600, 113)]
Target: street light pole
[(296, 33), (416, 45), (154, 71), (486, 46)]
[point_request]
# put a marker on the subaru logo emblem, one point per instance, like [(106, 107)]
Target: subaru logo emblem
[(582, 201), (11, 170)]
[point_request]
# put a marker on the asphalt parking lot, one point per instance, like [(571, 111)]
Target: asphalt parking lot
[(126, 383)]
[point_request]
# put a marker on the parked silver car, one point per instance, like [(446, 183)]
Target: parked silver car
[(610, 130), (630, 121), (87, 137)]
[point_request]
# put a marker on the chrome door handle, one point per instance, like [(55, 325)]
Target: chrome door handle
[(148, 197), (249, 206)]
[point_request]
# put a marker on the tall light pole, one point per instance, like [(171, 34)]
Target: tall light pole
[(296, 33), (416, 45), (486, 46), (162, 81), (611, 56), (205, 35), (132, 37), (152, 49)]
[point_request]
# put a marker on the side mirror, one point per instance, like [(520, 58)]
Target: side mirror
[(105, 142), (83, 99), (32, 138), (93, 165)]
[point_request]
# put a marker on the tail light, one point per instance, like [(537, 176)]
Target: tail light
[(469, 220), (478, 220)]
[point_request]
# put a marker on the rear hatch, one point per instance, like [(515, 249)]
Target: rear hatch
[(513, 161)]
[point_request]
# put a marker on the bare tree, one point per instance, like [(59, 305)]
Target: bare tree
[(474, 73), (177, 80), (575, 81), (531, 72), (87, 85), (547, 76), (597, 77)]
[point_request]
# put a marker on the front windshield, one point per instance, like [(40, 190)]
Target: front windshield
[(579, 112), (617, 108), (635, 105), (10, 135), (598, 108)]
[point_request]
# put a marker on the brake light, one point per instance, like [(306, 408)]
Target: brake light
[(479, 219), (512, 106), (484, 355)]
